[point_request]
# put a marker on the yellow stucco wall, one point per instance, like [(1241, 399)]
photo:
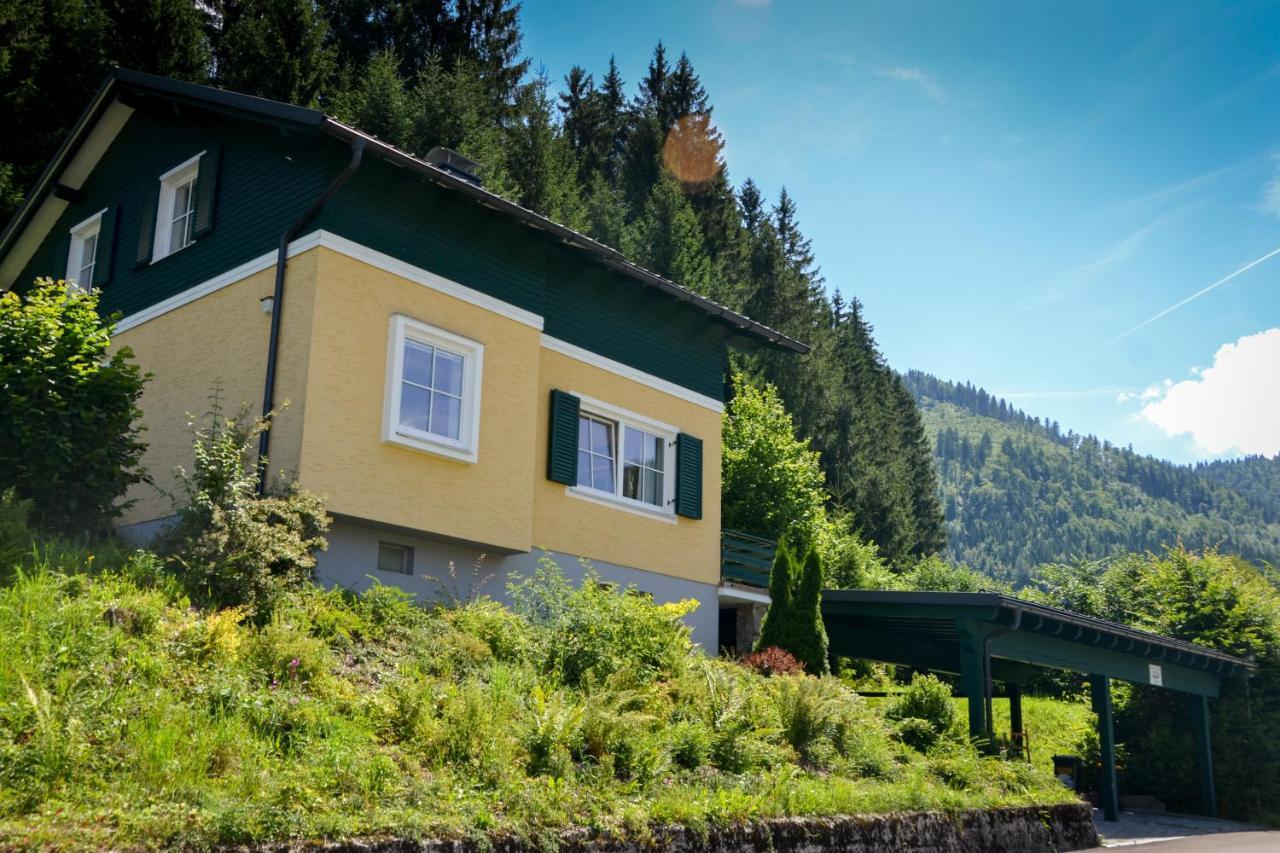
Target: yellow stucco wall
[(333, 373), (561, 522), (344, 458), (218, 340)]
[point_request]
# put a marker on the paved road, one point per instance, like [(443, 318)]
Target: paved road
[(1227, 842)]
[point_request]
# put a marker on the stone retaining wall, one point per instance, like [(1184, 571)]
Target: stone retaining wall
[(1007, 830)]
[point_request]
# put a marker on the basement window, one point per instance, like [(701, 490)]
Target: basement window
[(397, 559)]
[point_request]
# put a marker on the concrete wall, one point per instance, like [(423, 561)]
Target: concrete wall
[(443, 570)]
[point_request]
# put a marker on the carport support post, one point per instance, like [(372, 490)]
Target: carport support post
[(1204, 753), (973, 679), (1016, 735), (1108, 796)]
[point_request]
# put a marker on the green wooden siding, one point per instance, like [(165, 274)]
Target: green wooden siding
[(267, 181), (267, 178)]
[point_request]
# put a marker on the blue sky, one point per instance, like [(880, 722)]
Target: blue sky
[(1010, 188)]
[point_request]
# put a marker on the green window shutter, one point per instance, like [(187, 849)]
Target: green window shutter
[(207, 191), (61, 251), (688, 476), (147, 224), (562, 449), (106, 247)]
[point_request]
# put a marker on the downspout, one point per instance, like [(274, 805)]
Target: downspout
[(277, 303)]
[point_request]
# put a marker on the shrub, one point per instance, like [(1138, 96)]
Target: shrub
[(924, 713), (773, 483), (232, 546), (68, 442), (773, 661), (597, 629)]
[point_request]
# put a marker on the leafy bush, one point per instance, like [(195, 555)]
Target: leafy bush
[(597, 629), (772, 483), (925, 713), (68, 442), (773, 661), (232, 546)]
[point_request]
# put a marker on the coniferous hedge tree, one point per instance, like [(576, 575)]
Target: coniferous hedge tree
[(777, 628)]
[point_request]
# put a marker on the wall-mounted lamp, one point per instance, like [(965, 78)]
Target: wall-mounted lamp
[(268, 304)]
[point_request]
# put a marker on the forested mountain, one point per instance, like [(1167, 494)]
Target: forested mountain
[(1018, 491), (638, 168)]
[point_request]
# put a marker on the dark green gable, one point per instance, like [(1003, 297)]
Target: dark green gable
[(268, 179), (270, 176)]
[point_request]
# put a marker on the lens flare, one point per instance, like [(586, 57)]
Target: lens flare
[(692, 149)]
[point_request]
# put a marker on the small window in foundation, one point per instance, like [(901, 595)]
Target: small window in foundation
[(395, 558)]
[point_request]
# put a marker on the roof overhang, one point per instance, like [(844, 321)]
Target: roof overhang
[(114, 101), (925, 629)]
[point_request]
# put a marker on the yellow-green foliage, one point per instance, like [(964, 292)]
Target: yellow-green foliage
[(129, 718)]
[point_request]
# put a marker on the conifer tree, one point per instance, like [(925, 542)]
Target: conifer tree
[(777, 626), (278, 49), (379, 104), (809, 644), (667, 240)]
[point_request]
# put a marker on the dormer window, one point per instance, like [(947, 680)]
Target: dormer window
[(82, 258), (176, 214)]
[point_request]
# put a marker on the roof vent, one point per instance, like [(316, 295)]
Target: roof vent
[(455, 164)]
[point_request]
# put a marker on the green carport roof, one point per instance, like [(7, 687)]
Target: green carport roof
[(930, 630)]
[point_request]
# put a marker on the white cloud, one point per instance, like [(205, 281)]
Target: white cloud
[(1232, 406), (920, 77)]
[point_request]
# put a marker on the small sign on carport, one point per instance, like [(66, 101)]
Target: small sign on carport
[(987, 637)]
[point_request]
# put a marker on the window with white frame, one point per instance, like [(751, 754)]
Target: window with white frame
[(176, 213), (83, 256), (433, 389), (625, 457)]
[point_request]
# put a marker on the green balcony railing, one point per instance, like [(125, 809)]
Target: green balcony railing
[(745, 559)]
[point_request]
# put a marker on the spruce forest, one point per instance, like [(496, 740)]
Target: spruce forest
[(636, 165), (1019, 491)]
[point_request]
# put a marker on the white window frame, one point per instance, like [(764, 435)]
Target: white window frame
[(466, 447), (185, 172), (91, 227), (623, 418)]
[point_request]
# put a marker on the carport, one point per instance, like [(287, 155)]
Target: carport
[(987, 637)]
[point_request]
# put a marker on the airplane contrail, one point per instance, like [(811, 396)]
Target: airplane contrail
[(1191, 298)]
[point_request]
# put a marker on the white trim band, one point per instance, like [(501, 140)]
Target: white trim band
[(628, 372)]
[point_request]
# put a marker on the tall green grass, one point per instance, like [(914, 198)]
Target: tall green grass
[(129, 718)]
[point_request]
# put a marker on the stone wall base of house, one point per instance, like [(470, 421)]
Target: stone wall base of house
[(750, 618), (1026, 830)]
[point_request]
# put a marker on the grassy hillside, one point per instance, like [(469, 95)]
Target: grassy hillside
[(127, 717), (1018, 492)]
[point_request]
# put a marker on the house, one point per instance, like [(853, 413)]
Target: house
[(468, 384)]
